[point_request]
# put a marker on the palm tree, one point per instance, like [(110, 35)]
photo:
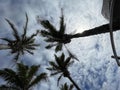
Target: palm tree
[(60, 66), (66, 87), (60, 37), (24, 78), (21, 43), (55, 37)]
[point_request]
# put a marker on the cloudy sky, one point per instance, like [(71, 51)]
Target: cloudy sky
[(95, 70)]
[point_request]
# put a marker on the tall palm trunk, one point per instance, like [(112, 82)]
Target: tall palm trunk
[(4, 46), (97, 30), (69, 77), (114, 2)]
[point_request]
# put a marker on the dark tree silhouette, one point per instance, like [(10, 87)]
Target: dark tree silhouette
[(53, 36), (60, 66), (66, 87), (114, 16), (24, 78), (21, 43), (97, 30)]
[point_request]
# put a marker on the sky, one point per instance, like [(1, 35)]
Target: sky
[(95, 69)]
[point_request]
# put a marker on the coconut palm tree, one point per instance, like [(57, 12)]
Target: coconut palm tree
[(55, 37), (58, 37), (60, 66), (21, 43), (24, 78), (66, 87)]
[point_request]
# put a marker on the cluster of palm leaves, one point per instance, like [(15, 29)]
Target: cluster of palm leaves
[(24, 78), (66, 87), (21, 43), (53, 36), (60, 66)]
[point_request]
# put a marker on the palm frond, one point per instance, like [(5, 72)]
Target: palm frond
[(53, 64), (22, 69), (58, 47), (67, 61), (7, 40), (62, 25), (59, 79), (46, 24), (66, 87), (45, 33), (15, 32), (71, 54), (16, 57), (55, 73), (49, 40), (8, 75), (33, 35), (25, 28), (6, 87), (58, 61), (30, 52), (32, 71), (39, 78)]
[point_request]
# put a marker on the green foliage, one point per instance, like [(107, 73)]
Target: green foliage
[(66, 87), (21, 43), (23, 78), (60, 66), (56, 37)]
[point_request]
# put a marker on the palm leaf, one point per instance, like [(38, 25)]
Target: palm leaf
[(6, 87), (30, 52), (57, 59), (71, 54), (16, 56), (45, 33), (25, 28), (22, 69), (55, 73), (59, 79), (58, 47), (62, 25), (6, 39), (41, 77), (67, 61), (66, 87), (15, 32), (32, 71), (53, 64), (46, 24), (8, 75)]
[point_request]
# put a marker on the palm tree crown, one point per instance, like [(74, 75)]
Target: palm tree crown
[(66, 87), (21, 43), (54, 36), (23, 78), (60, 66)]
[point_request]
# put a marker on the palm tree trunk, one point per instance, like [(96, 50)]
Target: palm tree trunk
[(73, 82), (4, 46), (111, 30), (97, 30)]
